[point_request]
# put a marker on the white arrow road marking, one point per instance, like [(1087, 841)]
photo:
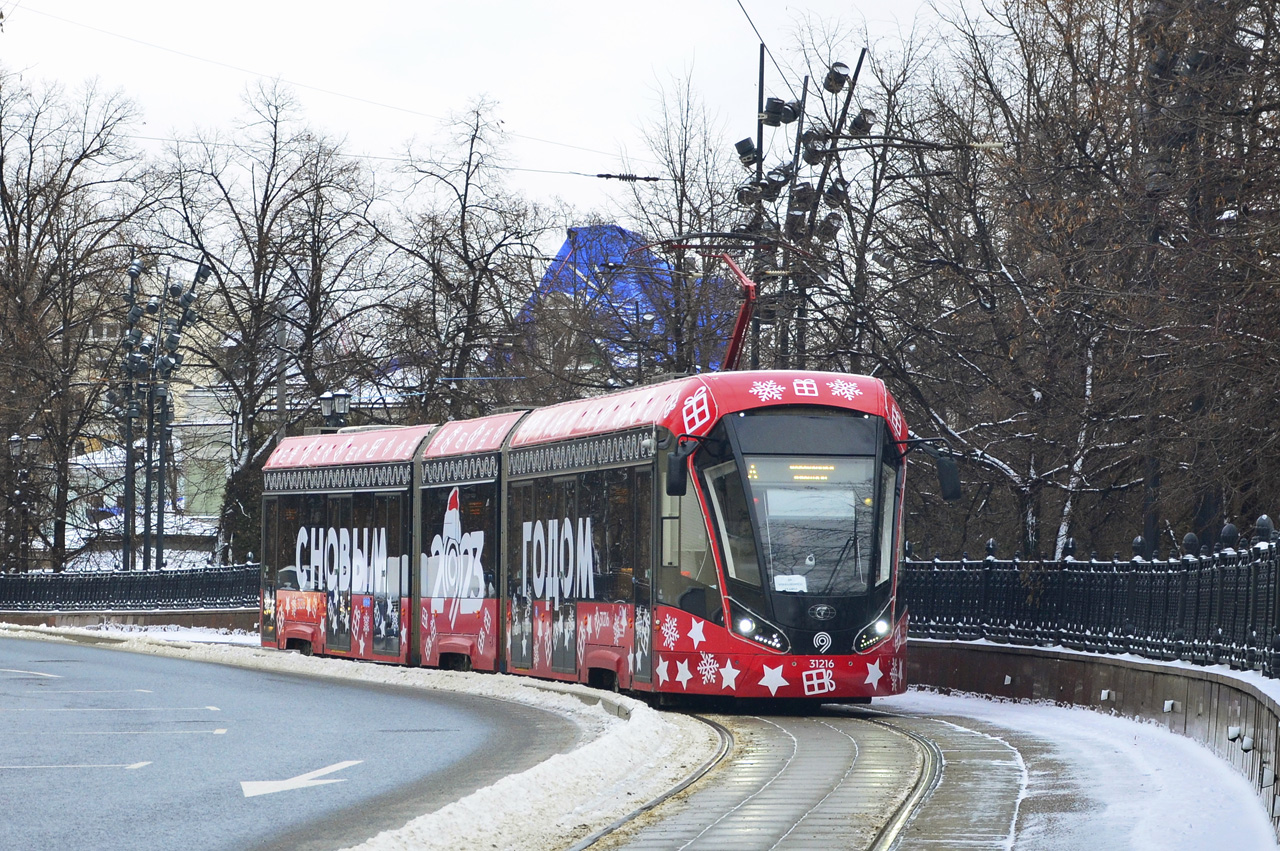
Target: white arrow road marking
[(31, 673), (266, 787)]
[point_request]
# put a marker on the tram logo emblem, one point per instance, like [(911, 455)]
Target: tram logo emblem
[(822, 612), (822, 642), (819, 681)]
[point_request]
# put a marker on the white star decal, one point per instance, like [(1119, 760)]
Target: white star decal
[(773, 680), (874, 674), (695, 633), (729, 676), (682, 673), (661, 670)]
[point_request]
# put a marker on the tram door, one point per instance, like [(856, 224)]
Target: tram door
[(390, 576), (519, 599), (268, 568)]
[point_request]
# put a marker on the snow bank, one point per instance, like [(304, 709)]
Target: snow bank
[(621, 765)]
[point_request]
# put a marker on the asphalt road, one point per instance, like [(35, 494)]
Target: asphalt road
[(107, 749)]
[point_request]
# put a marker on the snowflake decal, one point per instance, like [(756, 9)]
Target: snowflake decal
[(670, 632), (767, 390), (844, 389), (708, 668)]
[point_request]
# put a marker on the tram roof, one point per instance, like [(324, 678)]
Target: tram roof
[(691, 405), (377, 446), (484, 434)]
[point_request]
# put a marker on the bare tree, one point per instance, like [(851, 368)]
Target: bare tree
[(71, 191), (279, 214), (467, 258)]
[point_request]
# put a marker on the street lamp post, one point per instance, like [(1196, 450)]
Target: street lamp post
[(334, 407), (148, 365), (23, 451)]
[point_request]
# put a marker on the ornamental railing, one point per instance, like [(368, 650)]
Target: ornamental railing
[(1207, 608), (234, 587)]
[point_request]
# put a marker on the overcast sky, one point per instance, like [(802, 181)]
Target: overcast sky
[(573, 80)]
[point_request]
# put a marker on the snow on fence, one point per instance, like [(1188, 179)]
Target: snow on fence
[(1206, 608), (234, 587)]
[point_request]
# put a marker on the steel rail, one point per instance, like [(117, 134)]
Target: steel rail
[(725, 746), (930, 777)]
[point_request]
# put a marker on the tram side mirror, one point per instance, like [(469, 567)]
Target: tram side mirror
[(948, 471), (949, 477), (677, 470)]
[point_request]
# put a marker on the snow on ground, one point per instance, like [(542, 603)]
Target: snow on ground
[(1142, 788), (620, 766)]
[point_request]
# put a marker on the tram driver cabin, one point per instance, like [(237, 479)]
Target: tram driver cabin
[(733, 534)]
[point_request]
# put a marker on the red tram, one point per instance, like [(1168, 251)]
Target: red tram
[(733, 534)]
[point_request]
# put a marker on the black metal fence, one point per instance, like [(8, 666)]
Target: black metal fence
[(1208, 608), (207, 588)]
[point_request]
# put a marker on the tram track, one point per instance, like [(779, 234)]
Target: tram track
[(725, 746), (792, 782)]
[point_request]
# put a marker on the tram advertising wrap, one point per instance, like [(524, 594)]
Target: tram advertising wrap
[(735, 534)]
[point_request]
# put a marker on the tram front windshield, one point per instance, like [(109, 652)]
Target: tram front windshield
[(817, 522)]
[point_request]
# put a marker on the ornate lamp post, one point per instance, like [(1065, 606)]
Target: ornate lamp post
[(23, 451), (334, 407), (148, 364)]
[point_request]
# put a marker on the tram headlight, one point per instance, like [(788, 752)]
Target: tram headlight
[(873, 633), (751, 626)]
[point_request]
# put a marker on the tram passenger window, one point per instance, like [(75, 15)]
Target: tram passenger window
[(520, 511), (362, 518), (285, 566), (620, 549), (314, 516), (270, 562)]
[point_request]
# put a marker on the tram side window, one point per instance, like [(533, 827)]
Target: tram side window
[(687, 578), (888, 505), (393, 573), (470, 532), (288, 522), (270, 540), (592, 502), (313, 517), (520, 503), (729, 501), (619, 556)]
